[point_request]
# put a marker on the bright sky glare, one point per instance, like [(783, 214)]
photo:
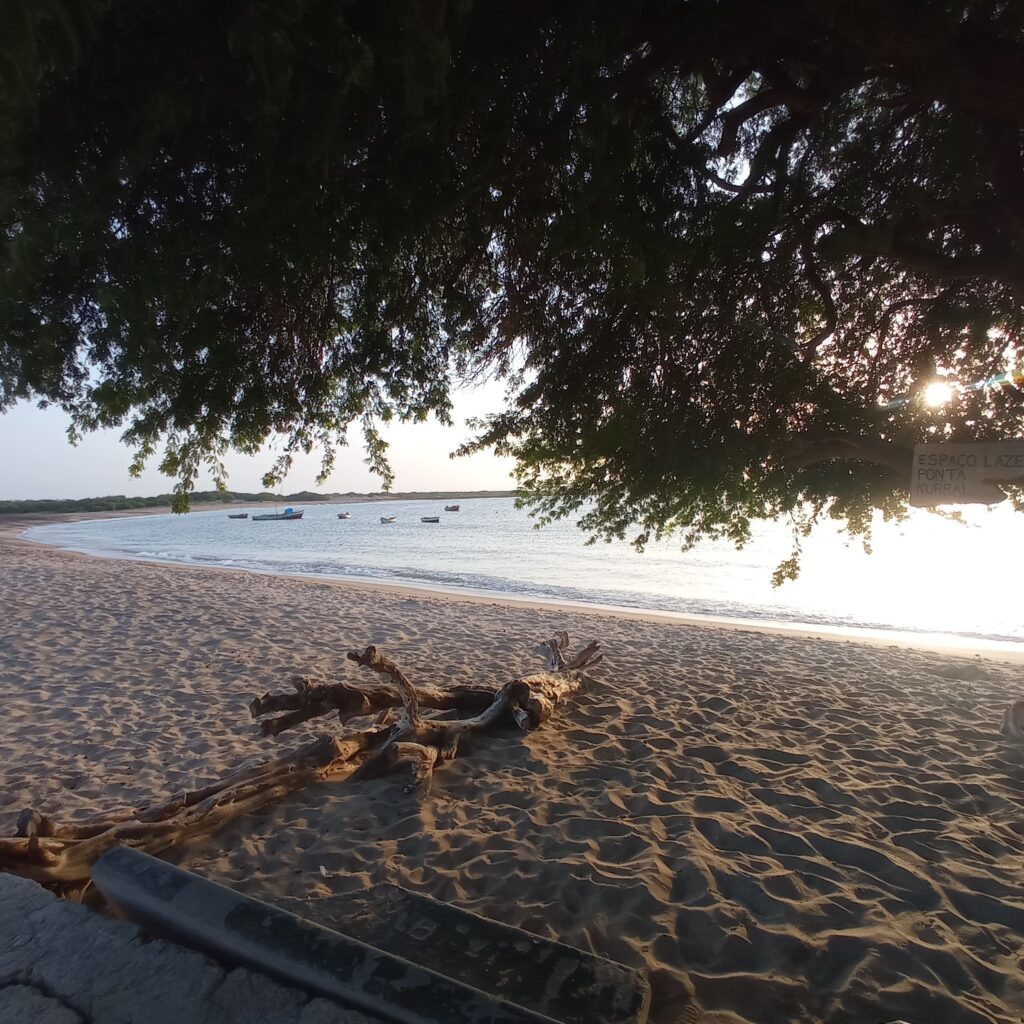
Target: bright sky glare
[(937, 393), (36, 460)]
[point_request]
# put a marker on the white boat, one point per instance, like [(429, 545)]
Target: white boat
[(388, 519), (274, 516), (344, 515)]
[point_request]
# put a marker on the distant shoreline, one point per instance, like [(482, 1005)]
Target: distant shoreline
[(207, 499)]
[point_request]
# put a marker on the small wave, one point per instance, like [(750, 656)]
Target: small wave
[(714, 584), (485, 584)]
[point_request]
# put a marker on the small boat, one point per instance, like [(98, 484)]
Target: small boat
[(344, 515), (430, 519), (288, 513), (451, 508), (388, 519), (238, 515)]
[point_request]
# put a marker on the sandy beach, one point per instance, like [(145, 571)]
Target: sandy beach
[(777, 828)]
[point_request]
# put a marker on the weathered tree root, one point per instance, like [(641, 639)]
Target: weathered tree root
[(312, 699), (61, 855), (422, 743)]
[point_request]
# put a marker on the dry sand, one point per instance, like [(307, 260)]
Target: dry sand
[(778, 828)]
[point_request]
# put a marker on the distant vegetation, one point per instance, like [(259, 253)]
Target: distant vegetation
[(118, 502)]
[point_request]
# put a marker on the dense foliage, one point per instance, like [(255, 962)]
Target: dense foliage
[(720, 250)]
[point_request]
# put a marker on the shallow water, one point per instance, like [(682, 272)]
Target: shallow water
[(929, 576)]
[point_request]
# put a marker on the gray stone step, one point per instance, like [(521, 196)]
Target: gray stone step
[(175, 904), (567, 984), (61, 963)]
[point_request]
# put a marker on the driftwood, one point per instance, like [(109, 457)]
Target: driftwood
[(312, 699), (421, 743), (60, 855)]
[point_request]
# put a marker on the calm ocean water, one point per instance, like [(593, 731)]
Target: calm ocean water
[(928, 576)]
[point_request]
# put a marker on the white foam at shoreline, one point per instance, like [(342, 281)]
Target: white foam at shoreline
[(386, 579)]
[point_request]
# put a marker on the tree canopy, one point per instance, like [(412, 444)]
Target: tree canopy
[(718, 250)]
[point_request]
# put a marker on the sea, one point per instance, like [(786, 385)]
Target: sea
[(931, 578)]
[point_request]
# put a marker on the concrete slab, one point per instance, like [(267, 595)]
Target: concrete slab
[(549, 977), (61, 963), (21, 1004), (238, 929)]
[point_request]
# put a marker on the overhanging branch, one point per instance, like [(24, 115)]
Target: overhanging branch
[(883, 240), (808, 450)]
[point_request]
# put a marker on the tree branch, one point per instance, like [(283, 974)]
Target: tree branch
[(883, 240), (730, 186), (806, 450), (372, 659), (311, 700), (824, 293), (743, 112)]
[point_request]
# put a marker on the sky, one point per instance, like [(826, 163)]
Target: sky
[(36, 460)]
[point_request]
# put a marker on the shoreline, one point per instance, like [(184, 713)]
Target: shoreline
[(772, 827), (1004, 651)]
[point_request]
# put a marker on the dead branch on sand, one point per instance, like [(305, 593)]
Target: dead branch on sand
[(421, 743), (60, 855), (312, 699)]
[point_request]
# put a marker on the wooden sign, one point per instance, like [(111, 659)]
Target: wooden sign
[(964, 474)]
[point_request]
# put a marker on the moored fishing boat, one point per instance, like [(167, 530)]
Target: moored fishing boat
[(288, 513)]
